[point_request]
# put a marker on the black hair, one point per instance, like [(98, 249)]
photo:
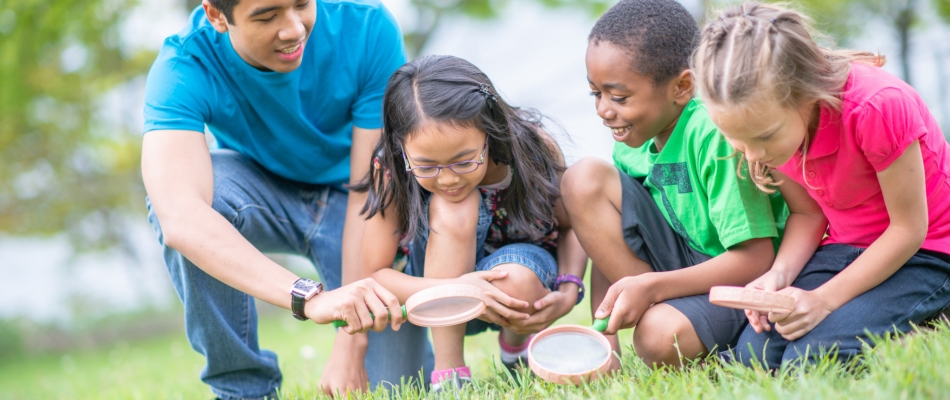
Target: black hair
[(226, 7), (450, 90), (659, 35)]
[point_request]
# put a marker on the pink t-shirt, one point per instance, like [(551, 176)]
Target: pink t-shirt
[(880, 116)]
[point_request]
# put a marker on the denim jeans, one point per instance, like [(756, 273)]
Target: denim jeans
[(277, 216), (916, 292), (529, 255)]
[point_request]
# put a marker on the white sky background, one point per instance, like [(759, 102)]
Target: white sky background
[(534, 56)]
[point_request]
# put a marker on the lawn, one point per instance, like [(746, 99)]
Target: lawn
[(164, 366)]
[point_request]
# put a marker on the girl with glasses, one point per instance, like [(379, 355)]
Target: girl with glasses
[(467, 186)]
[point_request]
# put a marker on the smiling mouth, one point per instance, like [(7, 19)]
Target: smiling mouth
[(290, 50), (620, 131)]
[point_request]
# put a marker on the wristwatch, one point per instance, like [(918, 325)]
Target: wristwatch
[(304, 289)]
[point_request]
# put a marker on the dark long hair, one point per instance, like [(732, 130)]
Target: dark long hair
[(450, 90)]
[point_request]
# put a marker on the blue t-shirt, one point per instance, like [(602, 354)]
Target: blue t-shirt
[(299, 124)]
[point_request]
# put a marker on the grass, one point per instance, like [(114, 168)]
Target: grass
[(917, 366)]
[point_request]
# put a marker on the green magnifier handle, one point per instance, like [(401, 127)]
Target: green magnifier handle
[(600, 325), (341, 323)]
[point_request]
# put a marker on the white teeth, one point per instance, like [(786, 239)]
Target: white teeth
[(618, 131), (290, 50)]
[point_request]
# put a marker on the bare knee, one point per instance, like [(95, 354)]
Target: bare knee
[(586, 180), (521, 283), (664, 336)]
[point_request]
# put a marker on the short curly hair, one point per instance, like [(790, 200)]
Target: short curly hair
[(659, 35)]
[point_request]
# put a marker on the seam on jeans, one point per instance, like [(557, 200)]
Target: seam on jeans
[(238, 211), (322, 201), (944, 288), (247, 319)]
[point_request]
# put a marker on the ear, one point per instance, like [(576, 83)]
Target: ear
[(217, 19), (681, 87)]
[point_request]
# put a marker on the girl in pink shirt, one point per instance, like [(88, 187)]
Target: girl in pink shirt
[(863, 166)]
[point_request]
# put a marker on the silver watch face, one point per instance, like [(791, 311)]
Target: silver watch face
[(306, 288)]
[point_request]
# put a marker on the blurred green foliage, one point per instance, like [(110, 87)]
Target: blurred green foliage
[(65, 164)]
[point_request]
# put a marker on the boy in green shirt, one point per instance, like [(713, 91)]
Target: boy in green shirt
[(671, 201)]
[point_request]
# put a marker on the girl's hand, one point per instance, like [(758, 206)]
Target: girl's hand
[(549, 308), (810, 309), (625, 303), (498, 304), (770, 282)]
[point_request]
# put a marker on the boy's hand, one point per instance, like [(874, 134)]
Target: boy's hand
[(810, 310), (770, 282), (499, 306), (353, 303), (549, 308), (625, 303)]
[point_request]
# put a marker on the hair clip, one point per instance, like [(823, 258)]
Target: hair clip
[(486, 90), (772, 21), (378, 167)]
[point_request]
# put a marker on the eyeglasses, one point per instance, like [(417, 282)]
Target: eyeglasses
[(461, 167)]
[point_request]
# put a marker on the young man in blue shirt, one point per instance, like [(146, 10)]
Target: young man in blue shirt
[(291, 90)]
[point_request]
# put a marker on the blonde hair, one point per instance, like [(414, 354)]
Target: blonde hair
[(767, 52)]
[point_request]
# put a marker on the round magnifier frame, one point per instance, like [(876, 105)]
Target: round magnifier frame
[(576, 378), (446, 292)]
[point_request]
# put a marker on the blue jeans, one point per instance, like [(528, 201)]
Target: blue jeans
[(916, 292), (529, 255), (277, 216)]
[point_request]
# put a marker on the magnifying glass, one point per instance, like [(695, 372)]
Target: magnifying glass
[(438, 306), (570, 354), (750, 299)]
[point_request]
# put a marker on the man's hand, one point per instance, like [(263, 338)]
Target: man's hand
[(770, 282), (353, 303), (625, 303), (345, 370), (499, 306), (549, 308)]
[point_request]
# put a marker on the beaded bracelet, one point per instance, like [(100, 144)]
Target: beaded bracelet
[(571, 278)]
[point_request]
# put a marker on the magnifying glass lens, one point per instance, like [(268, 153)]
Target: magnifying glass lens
[(569, 352)]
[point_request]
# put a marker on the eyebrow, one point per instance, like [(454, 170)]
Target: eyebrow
[(426, 160), (611, 85), (263, 10)]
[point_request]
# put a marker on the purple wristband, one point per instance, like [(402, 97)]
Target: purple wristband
[(571, 278)]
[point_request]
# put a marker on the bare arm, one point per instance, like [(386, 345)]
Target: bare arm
[(905, 196), (176, 169), (737, 266), (360, 156), (804, 229), (904, 190)]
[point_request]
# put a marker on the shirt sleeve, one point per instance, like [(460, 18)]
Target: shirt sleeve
[(887, 123), (384, 54), (173, 96), (737, 208)]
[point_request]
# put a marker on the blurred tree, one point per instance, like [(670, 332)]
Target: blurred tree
[(904, 16), (65, 164), (844, 19)]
